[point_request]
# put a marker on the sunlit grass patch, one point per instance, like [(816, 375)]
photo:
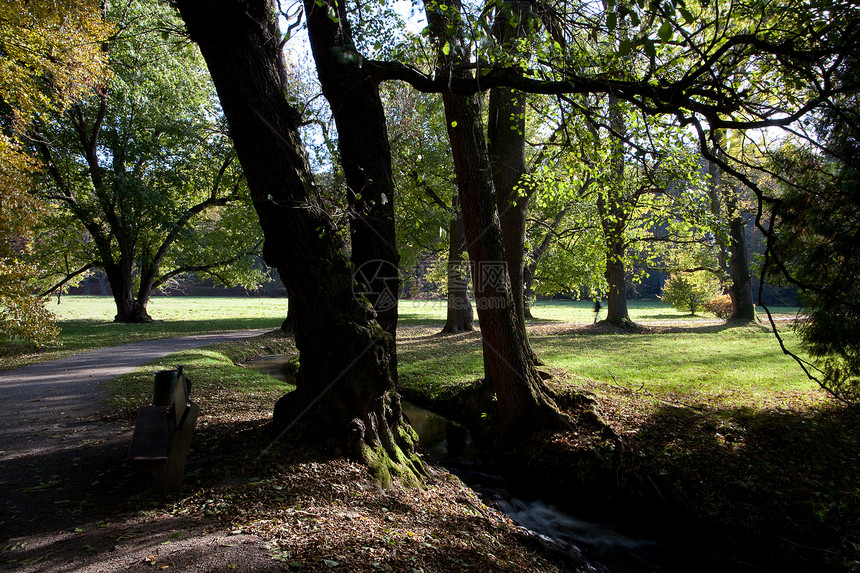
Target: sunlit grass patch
[(717, 363), (430, 363), (740, 363), (222, 388)]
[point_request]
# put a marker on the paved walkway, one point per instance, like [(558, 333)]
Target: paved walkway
[(51, 422), (36, 397)]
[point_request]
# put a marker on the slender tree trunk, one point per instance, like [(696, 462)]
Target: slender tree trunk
[(528, 289), (614, 221), (460, 317), (740, 291), (345, 387), (506, 142), (534, 258), (364, 154), (523, 401)]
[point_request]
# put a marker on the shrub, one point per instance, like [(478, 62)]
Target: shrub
[(687, 291), (720, 306)]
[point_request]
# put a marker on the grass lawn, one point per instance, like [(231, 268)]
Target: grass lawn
[(715, 363), (86, 323)]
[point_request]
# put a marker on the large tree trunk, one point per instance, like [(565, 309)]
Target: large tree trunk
[(733, 257), (128, 309), (364, 154), (345, 388), (523, 401), (616, 277), (460, 316)]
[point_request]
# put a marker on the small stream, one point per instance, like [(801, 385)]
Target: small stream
[(601, 544), (447, 443)]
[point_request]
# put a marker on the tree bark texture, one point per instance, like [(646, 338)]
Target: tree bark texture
[(614, 220), (740, 291), (364, 154), (345, 388), (733, 254)]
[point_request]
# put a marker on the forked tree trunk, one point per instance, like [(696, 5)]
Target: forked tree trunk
[(460, 316), (345, 387), (129, 310), (362, 140)]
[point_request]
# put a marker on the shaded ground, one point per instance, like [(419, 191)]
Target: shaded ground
[(770, 488), (70, 504), (62, 472)]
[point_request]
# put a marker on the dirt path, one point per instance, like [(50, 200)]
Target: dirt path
[(61, 462)]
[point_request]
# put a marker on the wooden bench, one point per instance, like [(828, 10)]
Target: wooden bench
[(162, 435)]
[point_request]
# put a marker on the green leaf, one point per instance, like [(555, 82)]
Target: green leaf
[(665, 32), (446, 49), (611, 21), (624, 47), (650, 48), (453, 124), (687, 15)]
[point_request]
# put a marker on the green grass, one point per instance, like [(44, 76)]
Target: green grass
[(222, 388), (174, 308), (432, 312), (713, 360), (86, 323), (714, 363)]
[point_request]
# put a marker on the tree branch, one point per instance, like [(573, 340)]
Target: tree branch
[(68, 278), (207, 268)]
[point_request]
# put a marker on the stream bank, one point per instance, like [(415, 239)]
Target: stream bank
[(574, 510)]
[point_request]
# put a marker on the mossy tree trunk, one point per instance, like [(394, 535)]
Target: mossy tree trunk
[(345, 392)]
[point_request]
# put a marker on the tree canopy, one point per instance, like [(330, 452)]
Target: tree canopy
[(142, 176), (50, 54)]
